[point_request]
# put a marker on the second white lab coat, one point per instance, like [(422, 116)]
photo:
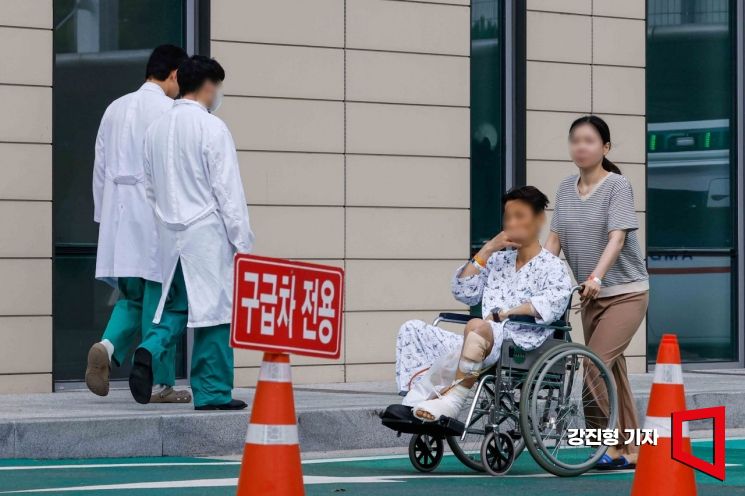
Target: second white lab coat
[(127, 239), (193, 183)]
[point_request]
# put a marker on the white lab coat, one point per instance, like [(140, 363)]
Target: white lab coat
[(127, 238), (194, 185)]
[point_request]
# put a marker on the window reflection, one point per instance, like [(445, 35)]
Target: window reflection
[(693, 307), (487, 147), (101, 48), (690, 176), (689, 187)]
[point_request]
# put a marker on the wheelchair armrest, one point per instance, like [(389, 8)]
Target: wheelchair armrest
[(530, 321), (561, 328), (454, 318), (527, 319)]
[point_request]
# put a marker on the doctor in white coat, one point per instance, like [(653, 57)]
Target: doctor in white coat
[(127, 255), (194, 185)]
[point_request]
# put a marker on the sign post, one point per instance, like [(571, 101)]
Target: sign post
[(281, 307)]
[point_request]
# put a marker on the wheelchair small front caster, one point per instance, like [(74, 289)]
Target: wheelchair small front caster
[(425, 452), (497, 453)]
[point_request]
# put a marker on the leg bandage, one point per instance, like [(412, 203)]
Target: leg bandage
[(474, 351), (447, 405)]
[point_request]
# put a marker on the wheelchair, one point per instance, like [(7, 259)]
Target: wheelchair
[(537, 399)]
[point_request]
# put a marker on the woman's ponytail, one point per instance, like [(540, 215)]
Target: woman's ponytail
[(610, 166), (604, 131)]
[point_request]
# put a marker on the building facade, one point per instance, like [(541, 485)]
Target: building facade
[(375, 135)]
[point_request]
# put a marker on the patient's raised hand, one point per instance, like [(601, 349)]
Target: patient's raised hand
[(499, 242)]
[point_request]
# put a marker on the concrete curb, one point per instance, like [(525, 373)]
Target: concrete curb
[(223, 433)]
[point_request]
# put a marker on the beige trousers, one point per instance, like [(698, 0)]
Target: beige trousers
[(609, 324)]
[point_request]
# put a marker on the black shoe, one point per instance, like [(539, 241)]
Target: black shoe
[(231, 405), (141, 376), (608, 463)]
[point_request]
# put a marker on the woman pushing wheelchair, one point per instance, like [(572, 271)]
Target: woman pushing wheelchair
[(512, 275)]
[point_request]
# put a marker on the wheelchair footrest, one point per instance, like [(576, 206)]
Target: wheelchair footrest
[(401, 418)]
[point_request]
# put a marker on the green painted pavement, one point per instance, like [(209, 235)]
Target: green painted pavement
[(370, 476)]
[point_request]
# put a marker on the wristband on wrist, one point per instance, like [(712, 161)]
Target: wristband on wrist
[(479, 261), (595, 279)]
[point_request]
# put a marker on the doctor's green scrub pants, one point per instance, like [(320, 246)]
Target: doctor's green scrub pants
[(132, 314), (211, 357)]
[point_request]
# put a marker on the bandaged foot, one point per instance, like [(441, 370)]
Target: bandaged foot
[(447, 405)]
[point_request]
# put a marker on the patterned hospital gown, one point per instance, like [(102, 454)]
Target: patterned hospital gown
[(544, 281)]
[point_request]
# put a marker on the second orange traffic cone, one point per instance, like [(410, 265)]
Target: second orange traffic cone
[(657, 474), (271, 458)]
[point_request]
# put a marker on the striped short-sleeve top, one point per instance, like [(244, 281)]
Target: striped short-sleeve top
[(583, 224)]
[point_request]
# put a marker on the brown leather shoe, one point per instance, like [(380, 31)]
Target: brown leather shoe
[(170, 395), (98, 370)]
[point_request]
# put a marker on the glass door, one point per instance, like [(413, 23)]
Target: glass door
[(101, 48), (487, 119), (691, 178)]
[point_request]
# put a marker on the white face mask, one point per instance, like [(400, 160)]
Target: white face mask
[(216, 102)]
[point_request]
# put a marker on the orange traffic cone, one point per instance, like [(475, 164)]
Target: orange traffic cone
[(271, 458), (657, 474)]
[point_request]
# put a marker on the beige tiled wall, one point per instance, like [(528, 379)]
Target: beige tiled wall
[(352, 124), (587, 56), (26, 196)]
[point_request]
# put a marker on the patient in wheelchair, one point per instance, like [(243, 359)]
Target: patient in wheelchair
[(511, 275)]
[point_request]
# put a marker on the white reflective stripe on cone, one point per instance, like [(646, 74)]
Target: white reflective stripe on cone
[(668, 373), (275, 372), (663, 426), (271, 434)]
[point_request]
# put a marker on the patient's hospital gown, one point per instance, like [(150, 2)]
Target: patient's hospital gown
[(544, 281)]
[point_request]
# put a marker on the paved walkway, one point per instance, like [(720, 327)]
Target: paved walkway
[(361, 476), (330, 417)]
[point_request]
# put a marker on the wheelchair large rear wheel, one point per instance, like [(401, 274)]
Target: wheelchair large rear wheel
[(467, 448), (565, 391)]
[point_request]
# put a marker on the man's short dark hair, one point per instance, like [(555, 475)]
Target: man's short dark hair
[(528, 194), (194, 71), (163, 60)]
